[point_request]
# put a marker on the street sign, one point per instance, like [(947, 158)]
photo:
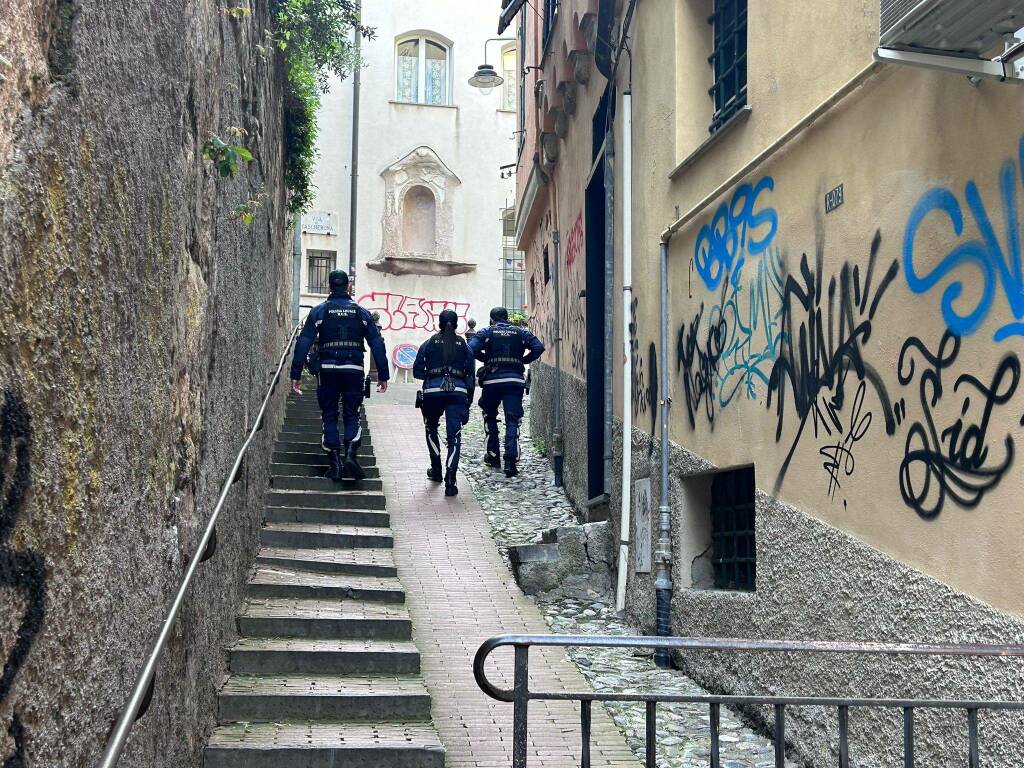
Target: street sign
[(834, 199), (404, 355), (319, 223)]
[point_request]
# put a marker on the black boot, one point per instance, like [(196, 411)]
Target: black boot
[(492, 460), (351, 463), (450, 488), (334, 470), (511, 470), (434, 473)]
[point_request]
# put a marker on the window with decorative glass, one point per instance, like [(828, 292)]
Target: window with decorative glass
[(320, 264), (510, 73), (513, 265), (728, 60), (421, 71)]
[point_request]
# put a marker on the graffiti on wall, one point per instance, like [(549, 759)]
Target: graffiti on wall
[(411, 313), (22, 571), (952, 459), (698, 352), (826, 328), (996, 260), (574, 319), (644, 384)]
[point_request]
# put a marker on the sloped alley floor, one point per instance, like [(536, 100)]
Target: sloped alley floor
[(452, 556)]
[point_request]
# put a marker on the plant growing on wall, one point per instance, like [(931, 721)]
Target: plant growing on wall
[(224, 156), (316, 38)]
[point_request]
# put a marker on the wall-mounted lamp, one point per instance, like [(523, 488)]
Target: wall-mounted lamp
[(485, 78)]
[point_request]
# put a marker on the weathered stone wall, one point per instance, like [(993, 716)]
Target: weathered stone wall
[(574, 424), (139, 323)]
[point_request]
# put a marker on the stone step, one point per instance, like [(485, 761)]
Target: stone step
[(277, 698), (290, 483), (317, 470), (359, 562), (274, 581), (314, 419), (287, 656), (312, 445), (313, 434), (324, 745), (313, 536), (328, 619), (345, 498), (366, 518), (316, 458)]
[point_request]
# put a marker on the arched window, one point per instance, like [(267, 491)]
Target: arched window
[(419, 221), (510, 73), (422, 71)]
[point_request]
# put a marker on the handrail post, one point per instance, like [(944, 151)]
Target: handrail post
[(521, 691)]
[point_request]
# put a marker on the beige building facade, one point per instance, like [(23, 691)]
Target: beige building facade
[(845, 317)]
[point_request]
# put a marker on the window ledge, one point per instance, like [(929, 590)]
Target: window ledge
[(505, 111), (740, 117), (418, 104)]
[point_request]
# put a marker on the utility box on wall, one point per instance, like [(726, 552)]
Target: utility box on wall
[(969, 27)]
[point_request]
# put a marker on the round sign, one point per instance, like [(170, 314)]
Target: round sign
[(404, 355)]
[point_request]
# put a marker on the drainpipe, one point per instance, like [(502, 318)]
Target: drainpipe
[(354, 194), (296, 267), (609, 290), (663, 578), (556, 438), (627, 352)]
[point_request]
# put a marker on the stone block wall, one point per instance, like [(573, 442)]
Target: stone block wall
[(139, 324)]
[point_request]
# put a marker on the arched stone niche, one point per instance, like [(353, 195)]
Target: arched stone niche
[(418, 221)]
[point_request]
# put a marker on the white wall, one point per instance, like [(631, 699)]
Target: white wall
[(473, 137)]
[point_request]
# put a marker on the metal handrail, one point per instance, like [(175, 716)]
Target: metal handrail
[(142, 691), (520, 694)]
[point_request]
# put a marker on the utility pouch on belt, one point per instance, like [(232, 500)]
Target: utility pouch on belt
[(366, 387), (419, 398), (313, 360)]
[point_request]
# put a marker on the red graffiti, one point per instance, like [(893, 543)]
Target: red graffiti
[(574, 243), (411, 313)]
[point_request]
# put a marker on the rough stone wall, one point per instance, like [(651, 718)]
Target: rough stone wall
[(139, 324), (574, 424)]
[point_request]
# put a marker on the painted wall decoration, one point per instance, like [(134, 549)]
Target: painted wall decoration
[(20, 570), (399, 312), (995, 257)]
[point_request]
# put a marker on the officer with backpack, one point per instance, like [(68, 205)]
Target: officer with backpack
[(505, 350), (339, 326), (445, 366)]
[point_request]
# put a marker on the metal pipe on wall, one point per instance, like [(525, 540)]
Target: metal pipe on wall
[(557, 439), (296, 267), (627, 352), (663, 578), (354, 190)]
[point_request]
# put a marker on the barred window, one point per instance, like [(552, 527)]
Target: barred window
[(734, 556), (728, 60), (513, 265), (320, 264)]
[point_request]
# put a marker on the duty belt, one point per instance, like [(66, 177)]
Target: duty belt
[(342, 345), (505, 360), (446, 371)]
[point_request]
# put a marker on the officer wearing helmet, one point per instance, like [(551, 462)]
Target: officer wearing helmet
[(340, 326), (445, 366), (505, 350)]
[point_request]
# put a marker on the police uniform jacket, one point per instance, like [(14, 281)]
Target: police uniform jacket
[(505, 350), (431, 369), (340, 326)]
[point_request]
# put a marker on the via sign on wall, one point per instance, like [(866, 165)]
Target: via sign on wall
[(319, 223)]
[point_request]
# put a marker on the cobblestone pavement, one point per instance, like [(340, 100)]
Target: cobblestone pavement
[(517, 511)]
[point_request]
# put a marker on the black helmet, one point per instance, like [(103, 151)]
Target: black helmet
[(447, 317), (499, 315), (338, 279)]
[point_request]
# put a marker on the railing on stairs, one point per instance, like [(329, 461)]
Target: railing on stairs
[(142, 691), (520, 695)]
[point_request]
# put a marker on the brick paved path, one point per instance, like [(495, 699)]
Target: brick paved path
[(459, 593)]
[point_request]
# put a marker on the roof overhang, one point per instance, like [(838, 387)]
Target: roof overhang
[(508, 12)]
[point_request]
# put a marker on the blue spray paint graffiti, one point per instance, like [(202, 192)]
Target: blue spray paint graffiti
[(752, 313), (734, 231), (986, 255)]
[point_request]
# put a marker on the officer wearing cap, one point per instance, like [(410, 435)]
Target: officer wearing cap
[(445, 366), (340, 326), (505, 350)]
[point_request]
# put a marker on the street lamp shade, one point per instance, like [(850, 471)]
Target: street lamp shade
[(486, 79)]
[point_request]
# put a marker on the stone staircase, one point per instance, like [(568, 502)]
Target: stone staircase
[(324, 674)]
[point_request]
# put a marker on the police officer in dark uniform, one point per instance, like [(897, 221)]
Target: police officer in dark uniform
[(445, 365), (505, 350), (340, 326)]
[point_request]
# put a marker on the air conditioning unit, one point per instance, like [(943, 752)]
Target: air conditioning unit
[(960, 27)]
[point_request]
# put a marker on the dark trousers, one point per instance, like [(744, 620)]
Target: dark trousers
[(510, 398), (454, 406), (346, 387)]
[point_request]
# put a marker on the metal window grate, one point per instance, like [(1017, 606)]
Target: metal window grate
[(513, 265), (320, 264), (728, 60), (734, 555)]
